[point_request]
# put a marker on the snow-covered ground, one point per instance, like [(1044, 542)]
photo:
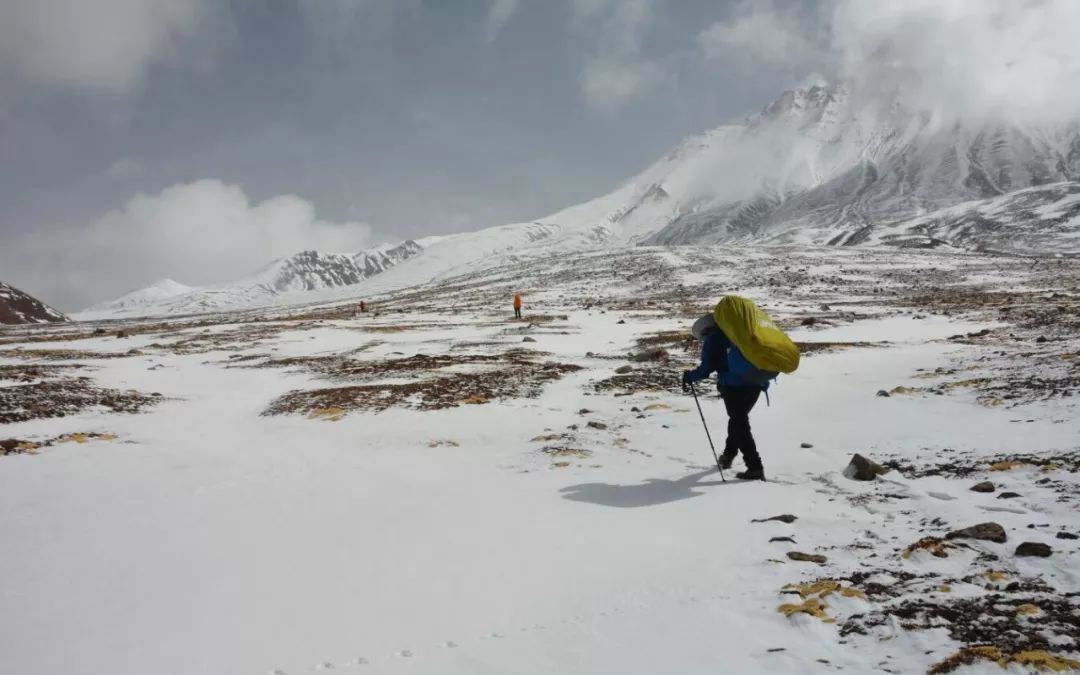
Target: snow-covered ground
[(430, 487)]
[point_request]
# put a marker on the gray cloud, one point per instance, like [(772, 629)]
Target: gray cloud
[(105, 45)]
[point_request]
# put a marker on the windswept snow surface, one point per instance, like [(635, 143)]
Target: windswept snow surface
[(290, 504)]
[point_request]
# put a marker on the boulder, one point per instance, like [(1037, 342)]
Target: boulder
[(1008, 495), (983, 532), (623, 370), (806, 445), (861, 468), (783, 518), (883, 394), (799, 556), (1032, 549), (1067, 535), (650, 355), (528, 339), (597, 425), (985, 486)]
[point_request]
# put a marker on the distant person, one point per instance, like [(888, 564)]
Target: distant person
[(517, 305), (363, 306)]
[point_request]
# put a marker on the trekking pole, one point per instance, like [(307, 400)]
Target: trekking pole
[(693, 389)]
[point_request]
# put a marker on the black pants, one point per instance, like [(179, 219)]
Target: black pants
[(517, 312), (739, 401)]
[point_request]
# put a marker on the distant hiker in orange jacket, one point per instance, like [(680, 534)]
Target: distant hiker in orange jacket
[(517, 305)]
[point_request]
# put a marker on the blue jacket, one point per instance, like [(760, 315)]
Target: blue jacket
[(714, 359)]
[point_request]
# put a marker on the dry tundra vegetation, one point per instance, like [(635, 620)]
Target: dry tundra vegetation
[(411, 358)]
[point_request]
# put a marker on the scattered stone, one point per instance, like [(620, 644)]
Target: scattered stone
[(584, 411), (1031, 549), (1008, 495), (1067, 535), (1040, 339), (651, 355), (826, 308), (985, 486), (983, 532), (932, 545), (528, 339), (99, 331), (597, 425), (799, 556), (122, 334), (635, 409), (623, 370), (621, 321), (861, 468), (882, 393), (773, 650), (789, 540), (806, 445), (783, 518)]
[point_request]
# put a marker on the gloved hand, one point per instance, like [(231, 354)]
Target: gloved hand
[(686, 381)]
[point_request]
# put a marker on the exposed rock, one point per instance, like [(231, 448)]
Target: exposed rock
[(806, 445), (621, 321), (861, 468), (584, 411), (1008, 495), (623, 370), (651, 355), (1041, 339), (985, 486), (789, 540), (809, 321), (1031, 549), (122, 334), (528, 339), (799, 556), (635, 409), (882, 393), (983, 532), (783, 518), (597, 425), (1067, 535)]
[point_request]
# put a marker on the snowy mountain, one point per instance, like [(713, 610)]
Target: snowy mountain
[(17, 307), (280, 281), (814, 167)]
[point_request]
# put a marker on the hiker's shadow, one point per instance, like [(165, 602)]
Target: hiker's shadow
[(650, 493)]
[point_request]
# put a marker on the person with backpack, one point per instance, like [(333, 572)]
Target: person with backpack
[(517, 305), (737, 321)]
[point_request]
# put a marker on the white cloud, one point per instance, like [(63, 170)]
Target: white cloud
[(102, 45), (197, 233), (616, 73), (1020, 59), (498, 14), (764, 33), (609, 85)]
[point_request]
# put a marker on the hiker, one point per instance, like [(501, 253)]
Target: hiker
[(517, 305), (738, 394), (363, 306)]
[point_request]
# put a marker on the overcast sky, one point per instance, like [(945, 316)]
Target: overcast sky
[(199, 139)]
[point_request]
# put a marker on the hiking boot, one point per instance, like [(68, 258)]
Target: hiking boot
[(727, 458), (751, 474)]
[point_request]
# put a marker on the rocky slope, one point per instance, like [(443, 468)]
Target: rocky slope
[(17, 307)]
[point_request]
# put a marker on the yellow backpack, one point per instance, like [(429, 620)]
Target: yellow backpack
[(755, 335)]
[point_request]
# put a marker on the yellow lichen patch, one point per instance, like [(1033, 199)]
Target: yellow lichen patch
[(475, 399), (1028, 609), (932, 545), (945, 588), (75, 438), (566, 452), (442, 444), (1049, 467), (1037, 659), (546, 437), (901, 390), (822, 588), (657, 406), (964, 657), (326, 414), (1006, 466), (995, 576), (560, 465), (621, 442), (1041, 660), (812, 606), (992, 402)]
